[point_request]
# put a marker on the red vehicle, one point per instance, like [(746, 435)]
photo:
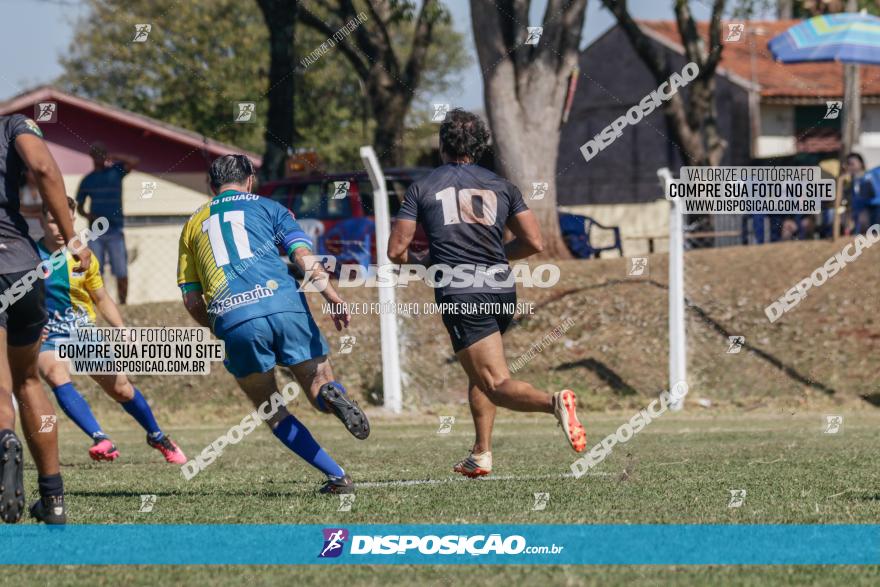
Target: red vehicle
[(317, 202)]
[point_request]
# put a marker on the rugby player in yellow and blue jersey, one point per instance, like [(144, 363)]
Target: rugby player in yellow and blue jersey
[(234, 281), (71, 298)]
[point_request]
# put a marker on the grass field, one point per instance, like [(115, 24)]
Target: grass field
[(820, 356), (761, 432), (678, 470)]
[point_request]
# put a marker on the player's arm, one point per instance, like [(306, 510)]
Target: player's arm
[(194, 303), (315, 272), (81, 195), (39, 160), (129, 162), (298, 246), (401, 238), (527, 239), (189, 282), (404, 228), (107, 308)]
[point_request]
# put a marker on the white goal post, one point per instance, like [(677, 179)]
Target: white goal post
[(677, 341), (393, 400)]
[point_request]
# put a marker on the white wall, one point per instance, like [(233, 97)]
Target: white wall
[(175, 194), (152, 264), (152, 250), (636, 222), (871, 127), (777, 131)]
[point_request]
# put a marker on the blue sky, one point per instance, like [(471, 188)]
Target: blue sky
[(36, 32)]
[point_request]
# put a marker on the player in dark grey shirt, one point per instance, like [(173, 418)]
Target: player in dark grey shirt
[(22, 317), (464, 209), (465, 225)]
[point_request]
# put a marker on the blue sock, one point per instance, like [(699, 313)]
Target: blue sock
[(297, 438), (78, 410), (140, 411)]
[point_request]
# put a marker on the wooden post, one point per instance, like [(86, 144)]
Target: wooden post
[(852, 119), (836, 230)]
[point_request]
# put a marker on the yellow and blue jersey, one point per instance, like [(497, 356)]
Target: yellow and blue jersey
[(229, 251), (68, 301)]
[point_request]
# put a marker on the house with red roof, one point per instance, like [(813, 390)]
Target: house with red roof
[(169, 183), (766, 111)]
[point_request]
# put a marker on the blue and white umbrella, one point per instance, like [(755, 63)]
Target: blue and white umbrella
[(846, 38), (852, 38)]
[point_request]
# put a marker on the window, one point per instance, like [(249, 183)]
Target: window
[(335, 207), (815, 133), (307, 201)]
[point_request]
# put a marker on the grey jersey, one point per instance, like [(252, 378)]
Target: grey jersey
[(463, 210), (17, 250)]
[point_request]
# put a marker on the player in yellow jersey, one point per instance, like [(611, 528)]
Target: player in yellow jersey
[(71, 298), (234, 281)]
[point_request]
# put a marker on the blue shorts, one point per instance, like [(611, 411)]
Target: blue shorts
[(56, 337), (51, 343), (110, 246), (285, 338)]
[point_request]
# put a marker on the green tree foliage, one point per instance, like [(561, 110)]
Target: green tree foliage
[(399, 49), (200, 58), (203, 56)]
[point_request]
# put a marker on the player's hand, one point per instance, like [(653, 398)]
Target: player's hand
[(84, 256), (339, 313), (44, 335)]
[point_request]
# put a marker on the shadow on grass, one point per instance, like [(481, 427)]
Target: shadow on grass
[(603, 372)]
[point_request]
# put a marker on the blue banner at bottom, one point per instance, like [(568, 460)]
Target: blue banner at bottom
[(441, 544)]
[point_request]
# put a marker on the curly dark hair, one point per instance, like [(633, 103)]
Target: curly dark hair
[(462, 134)]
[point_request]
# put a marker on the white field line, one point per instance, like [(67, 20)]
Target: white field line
[(411, 482)]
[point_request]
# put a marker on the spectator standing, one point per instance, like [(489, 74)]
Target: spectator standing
[(103, 188)]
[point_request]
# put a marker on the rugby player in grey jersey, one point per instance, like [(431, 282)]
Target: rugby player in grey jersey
[(22, 318), (464, 209)]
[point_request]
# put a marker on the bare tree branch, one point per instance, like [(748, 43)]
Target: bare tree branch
[(380, 38), (690, 36), (309, 19), (570, 26), (715, 46), (653, 59), (491, 40), (362, 35), (693, 126), (422, 38)]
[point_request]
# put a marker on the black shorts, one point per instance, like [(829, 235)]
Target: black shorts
[(472, 317), (24, 318)]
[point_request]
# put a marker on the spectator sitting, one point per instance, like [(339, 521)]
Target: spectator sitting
[(859, 192)]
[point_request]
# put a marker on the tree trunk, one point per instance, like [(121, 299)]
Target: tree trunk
[(389, 104), (280, 17), (693, 123), (526, 151), (525, 88), (694, 126)]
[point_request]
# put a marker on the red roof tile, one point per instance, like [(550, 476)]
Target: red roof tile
[(750, 60)]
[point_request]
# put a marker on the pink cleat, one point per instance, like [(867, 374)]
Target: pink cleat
[(169, 450), (104, 450)]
